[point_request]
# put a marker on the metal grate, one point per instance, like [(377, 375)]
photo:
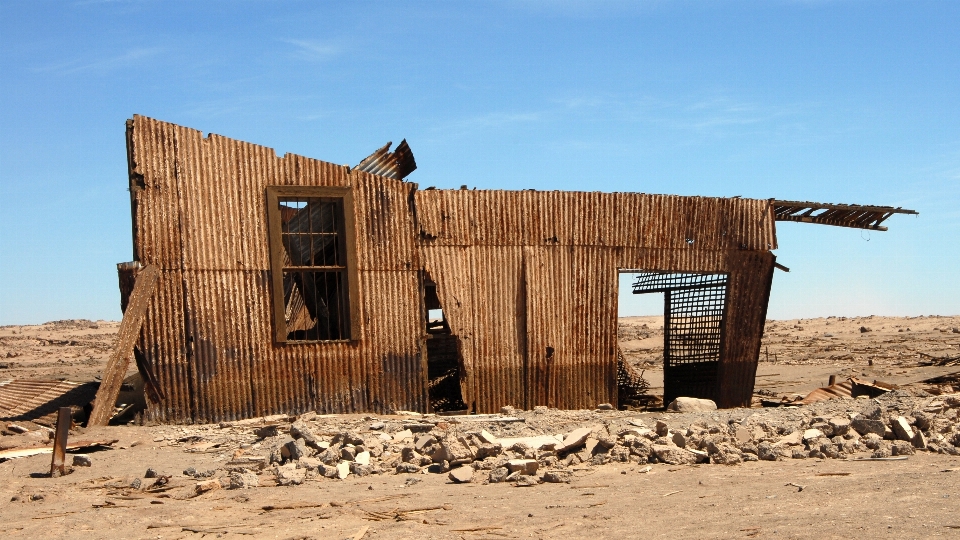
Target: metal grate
[(314, 269), (694, 313)]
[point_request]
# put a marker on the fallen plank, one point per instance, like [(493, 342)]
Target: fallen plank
[(36, 450), (119, 361)]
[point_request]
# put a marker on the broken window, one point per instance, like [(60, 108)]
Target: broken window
[(693, 327), (311, 258)]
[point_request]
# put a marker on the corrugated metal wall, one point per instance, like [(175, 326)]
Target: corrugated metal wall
[(528, 281), (199, 214), (539, 323)]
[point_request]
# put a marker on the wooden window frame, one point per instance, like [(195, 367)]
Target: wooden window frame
[(274, 230)]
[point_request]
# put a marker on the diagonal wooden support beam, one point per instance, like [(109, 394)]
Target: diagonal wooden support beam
[(119, 361)]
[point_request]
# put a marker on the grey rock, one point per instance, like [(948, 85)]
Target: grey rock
[(865, 426), (243, 480), (151, 473), (294, 450), (408, 468), (499, 475), (674, 455), (81, 460), (557, 476), (461, 475)]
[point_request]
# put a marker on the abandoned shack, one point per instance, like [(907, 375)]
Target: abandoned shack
[(288, 284)]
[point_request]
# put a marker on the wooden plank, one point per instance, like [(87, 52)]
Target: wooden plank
[(143, 291), (57, 466)]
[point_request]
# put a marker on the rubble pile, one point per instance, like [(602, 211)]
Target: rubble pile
[(527, 448)]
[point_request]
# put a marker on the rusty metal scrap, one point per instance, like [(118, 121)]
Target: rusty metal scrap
[(40, 400), (840, 215), (396, 165)]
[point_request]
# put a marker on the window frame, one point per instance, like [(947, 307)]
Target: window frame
[(274, 233)]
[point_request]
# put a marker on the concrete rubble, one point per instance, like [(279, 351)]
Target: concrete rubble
[(550, 445)]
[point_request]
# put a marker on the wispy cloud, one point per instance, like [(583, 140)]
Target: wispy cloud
[(312, 50), (102, 65)]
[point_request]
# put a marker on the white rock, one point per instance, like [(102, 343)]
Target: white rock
[(688, 404), (343, 469), (403, 435), (525, 466), (363, 458)]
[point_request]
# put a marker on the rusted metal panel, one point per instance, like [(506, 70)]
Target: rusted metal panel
[(384, 219), (40, 400), (164, 345), (465, 217), (395, 165), (498, 321), (394, 372), (156, 211), (751, 274)]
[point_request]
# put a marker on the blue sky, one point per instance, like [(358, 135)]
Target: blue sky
[(832, 101)]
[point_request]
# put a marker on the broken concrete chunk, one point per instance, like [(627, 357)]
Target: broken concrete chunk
[(243, 480), (689, 405), (524, 466), (498, 475), (679, 440), (206, 486), (811, 434), (743, 435), (401, 436), (488, 450), (290, 475), (557, 477), (489, 438), (363, 458), (525, 480), (454, 451), (294, 450), (919, 440), (358, 469), (407, 468), (327, 471), (902, 448), (901, 429), (343, 469), (573, 440), (461, 475), (424, 440), (791, 439), (540, 442), (300, 430), (674, 455)]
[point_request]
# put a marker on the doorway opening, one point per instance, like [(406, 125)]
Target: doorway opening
[(444, 358), (694, 314)]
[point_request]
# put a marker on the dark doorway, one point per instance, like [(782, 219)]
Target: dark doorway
[(693, 329), (444, 359)]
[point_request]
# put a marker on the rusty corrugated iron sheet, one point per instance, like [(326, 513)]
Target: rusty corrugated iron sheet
[(396, 165), (199, 214), (39, 400), (470, 217)]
